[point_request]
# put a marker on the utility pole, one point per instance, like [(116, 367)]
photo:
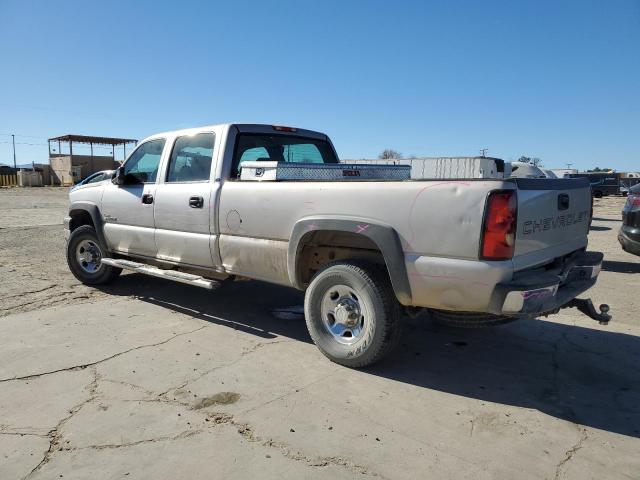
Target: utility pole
[(13, 141)]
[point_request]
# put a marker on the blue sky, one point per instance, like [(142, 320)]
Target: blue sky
[(559, 80)]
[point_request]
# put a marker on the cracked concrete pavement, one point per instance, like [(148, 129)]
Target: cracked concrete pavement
[(150, 379)]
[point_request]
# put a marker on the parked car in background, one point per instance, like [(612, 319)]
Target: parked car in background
[(525, 170), (602, 184), (626, 182), (629, 235), (94, 178)]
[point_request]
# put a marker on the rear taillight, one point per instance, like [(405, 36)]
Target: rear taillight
[(633, 201), (499, 230)]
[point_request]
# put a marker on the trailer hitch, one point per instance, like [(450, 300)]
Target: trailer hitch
[(586, 307)]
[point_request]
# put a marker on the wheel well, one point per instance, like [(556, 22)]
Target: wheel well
[(319, 248), (79, 218)]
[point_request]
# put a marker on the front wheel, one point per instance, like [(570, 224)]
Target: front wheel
[(84, 255), (352, 314)]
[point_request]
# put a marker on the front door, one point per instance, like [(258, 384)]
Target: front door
[(128, 209), (183, 205)]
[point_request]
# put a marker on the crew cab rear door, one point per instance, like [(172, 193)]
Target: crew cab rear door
[(553, 219), (184, 201)]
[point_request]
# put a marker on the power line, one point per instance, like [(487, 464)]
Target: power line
[(26, 143), (19, 135)]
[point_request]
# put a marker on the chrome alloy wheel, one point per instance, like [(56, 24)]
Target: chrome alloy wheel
[(343, 315), (88, 255)]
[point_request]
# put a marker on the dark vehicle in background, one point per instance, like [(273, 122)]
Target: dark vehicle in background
[(629, 235), (602, 184)]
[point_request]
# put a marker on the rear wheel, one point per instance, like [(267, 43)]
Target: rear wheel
[(469, 320), (352, 314), (84, 255), (597, 194)]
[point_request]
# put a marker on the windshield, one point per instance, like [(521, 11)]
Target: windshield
[(280, 148)]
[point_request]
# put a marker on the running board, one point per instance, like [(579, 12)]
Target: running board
[(174, 275)]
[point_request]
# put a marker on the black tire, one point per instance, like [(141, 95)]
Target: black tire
[(380, 319), (103, 273), (597, 194), (468, 320)]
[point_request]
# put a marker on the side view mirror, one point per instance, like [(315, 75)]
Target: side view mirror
[(118, 177)]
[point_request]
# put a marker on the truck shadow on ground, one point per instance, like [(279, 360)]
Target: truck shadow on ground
[(582, 374)]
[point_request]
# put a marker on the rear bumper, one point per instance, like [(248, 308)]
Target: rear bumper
[(535, 292), (629, 238)]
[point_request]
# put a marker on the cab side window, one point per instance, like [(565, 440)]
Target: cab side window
[(142, 165), (191, 158)]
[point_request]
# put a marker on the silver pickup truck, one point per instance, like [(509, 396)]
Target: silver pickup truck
[(471, 252)]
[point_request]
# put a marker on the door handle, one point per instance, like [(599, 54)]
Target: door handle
[(147, 199), (196, 202)]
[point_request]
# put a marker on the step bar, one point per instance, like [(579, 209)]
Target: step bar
[(189, 279)]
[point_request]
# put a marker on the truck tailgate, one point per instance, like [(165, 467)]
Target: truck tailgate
[(553, 219)]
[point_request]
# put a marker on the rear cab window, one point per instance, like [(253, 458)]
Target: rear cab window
[(252, 147)]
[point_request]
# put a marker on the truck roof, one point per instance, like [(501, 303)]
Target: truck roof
[(243, 128)]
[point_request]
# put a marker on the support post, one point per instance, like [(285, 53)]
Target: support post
[(71, 162), (59, 148), (13, 140), (49, 142)]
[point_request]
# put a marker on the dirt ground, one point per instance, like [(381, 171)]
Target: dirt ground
[(151, 379)]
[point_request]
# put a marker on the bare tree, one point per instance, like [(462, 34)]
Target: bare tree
[(535, 161), (389, 153)]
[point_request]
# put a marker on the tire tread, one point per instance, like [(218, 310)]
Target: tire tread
[(468, 319), (376, 277), (108, 274)]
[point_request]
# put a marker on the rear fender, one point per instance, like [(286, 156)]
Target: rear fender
[(383, 236)]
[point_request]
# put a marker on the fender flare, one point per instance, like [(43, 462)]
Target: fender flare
[(384, 236), (94, 213)]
